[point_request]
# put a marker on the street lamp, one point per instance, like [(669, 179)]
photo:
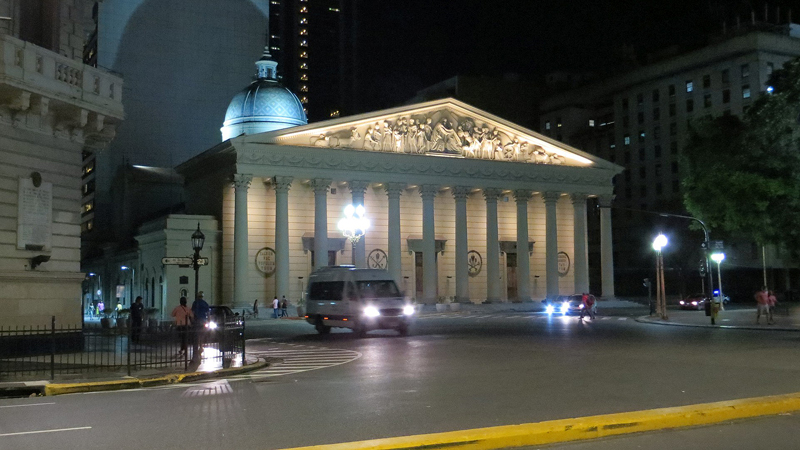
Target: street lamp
[(354, 225), (658, 244), (133, 278), (718, 258), (198, 239)]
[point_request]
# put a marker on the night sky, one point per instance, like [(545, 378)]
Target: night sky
[(410, 44)]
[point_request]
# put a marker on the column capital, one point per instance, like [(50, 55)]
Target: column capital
[(394, 190), (605, 201), (578, 198), (550, 196), (461, 192), (320, 185), (492, 194), (522, 195), (242, 180), (358, 187), (282, 184), (428, 191)]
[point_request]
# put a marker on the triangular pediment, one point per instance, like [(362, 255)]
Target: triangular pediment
[(445, 127)]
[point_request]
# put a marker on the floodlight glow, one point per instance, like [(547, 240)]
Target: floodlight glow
[(718, 257), (659, 242)]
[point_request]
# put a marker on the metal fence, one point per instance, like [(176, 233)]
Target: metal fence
[(72, 351)]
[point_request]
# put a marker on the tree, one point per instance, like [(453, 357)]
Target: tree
[(743, 175)]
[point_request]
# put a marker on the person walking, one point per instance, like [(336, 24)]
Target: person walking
[(762, 303), (772, 301), (284, 306), (200, 310), (587, 301), (137, 318), (255, 309), (183, 320), (275, 307)]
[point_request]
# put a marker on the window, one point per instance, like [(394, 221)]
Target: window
[(303, 32), (558, 122), (304, 55), (657, 170), (591, 122), (87, 207), (671, 91), (745, 91), (745, 70), (88, 168), (88, 187), (326, 290), (659, 189), (642, 172), (304, 9), (707, 101), (624, 104), (639, 99), (641, 154), (87, 226), (656, 94), (674, 167), (304, 77), (304, 100), (656, 132), (547, 125), (706, 81), (304, 66), (304, 43), (673, 129), (626, 139), (689, 105), (640, 118), (726, 96), (657, 151), (656, 114), (672, 109), (673, 147), (689, 86), (625, 121), (726, 76), (303, 88), (641, 136), (627, 157), (304, 21)]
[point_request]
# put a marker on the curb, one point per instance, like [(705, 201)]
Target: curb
[(582, 428), (648, 320), (134, 383)]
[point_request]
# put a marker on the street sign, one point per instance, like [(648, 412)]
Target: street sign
[(202, 261), (172, 261), (717, 245)]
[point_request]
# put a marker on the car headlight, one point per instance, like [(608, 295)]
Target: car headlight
[(694, 303), (682, 302), (211, 325), (580, 306), (408, 310), (564, 307), (550, 309), (371, 311)]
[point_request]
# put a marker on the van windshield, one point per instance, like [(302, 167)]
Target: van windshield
[(326, 290), (378, 289)]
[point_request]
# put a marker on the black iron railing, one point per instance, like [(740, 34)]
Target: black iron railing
[(47, 351)]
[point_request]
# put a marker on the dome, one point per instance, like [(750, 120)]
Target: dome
[(263, 106)]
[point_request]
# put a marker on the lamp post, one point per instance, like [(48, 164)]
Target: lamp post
[(353, 226), (133, 279), (718, 258), (198, 239), (658, 244)]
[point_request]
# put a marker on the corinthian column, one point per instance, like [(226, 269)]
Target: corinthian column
[(320, 187), (429, 270), (282, 185), (581, 256), (460, 194), (357, 189), (241, 183), (395, 264), (551, 243), (492, 245), (523, 260)]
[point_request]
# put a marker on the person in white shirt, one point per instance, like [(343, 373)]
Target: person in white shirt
[(275, 308)]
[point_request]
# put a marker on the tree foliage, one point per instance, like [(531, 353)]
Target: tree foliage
[(743, 175)]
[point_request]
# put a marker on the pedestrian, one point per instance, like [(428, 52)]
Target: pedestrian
[(183, 320), (284, 305), (137, 318), (762, 303), (200, 309), (772, 301), (587, 301), (275, 307), (255, 309)]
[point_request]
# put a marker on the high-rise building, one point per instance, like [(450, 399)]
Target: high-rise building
[(641, 119), (314, 43), (55, 114)]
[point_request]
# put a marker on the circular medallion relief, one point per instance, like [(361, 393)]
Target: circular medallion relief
[(563, 263), (377, 259), (474, 263), (265, 261)]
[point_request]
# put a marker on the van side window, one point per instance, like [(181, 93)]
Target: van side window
[(326, 290), (350, 292), (378, 289)]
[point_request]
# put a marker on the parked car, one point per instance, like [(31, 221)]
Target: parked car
[(694, 301)]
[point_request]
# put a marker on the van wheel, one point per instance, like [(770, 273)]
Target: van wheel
[(321, 327)]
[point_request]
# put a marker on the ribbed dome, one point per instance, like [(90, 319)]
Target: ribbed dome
[(263, 106)]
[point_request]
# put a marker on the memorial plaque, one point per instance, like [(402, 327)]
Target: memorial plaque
[(34, 215)]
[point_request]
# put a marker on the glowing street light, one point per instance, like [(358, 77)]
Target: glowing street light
[(354, 225), (718, 258), (661, 302)]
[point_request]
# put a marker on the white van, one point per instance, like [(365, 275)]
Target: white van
[(359, 299)]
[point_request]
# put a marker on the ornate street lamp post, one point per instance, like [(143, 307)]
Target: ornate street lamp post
[(133, 280), (198, 239), (659, 243), (718, 258), (354, 225)]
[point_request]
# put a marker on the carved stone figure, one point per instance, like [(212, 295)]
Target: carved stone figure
[(387, 144), (372, 139), (511, 150), (445, 138)]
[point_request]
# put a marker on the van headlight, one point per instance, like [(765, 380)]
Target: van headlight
[(371, 311), (408, 310), (564, 307)]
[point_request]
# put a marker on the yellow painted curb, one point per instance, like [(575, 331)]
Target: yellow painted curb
[(581, 428)]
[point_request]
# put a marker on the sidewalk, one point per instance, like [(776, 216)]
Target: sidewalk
[(732, 318)]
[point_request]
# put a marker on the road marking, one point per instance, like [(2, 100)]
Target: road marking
[(45, 431), (298, 358), (24, 406)]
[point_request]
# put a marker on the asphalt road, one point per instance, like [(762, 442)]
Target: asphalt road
[(451, 373)]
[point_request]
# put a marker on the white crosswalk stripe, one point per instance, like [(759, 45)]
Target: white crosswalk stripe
[(500, 315), (296, 358)]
